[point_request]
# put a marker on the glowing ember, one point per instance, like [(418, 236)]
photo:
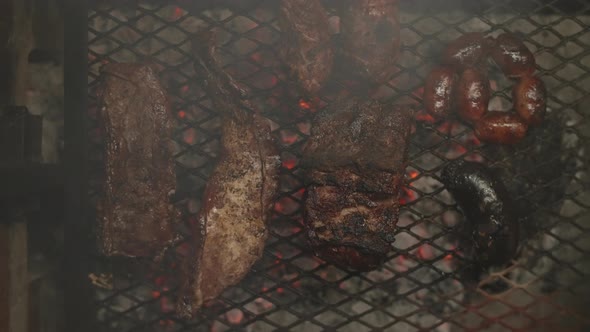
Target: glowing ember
[(181, 114), (234, 316), (177, 13), (304, 105), (279, 207), (445, 127), (425, 252), (189, 136), (413, 174), (289, 163), (289, 139), (155, 294), (424, 117)]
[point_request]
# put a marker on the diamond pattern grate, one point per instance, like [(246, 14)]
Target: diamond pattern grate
[(426, 285)]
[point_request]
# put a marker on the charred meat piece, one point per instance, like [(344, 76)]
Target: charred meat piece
[(438, 91), (468, 50), (134, 213), (472, 94), (530, 99), (501, 127), (512, 56), (371, 38), (306, 45), (232, 223), (355, 162), (488, 207)]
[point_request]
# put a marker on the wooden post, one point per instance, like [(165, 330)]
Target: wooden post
[(14, 279)]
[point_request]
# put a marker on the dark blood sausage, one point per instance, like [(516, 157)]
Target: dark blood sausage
[(237, 203), (512, 56), (438, 91), (354, 164), (487, 207), (501, 127), (472, 94), (370, 33), (306, 45), (468, 50), (530, 99), (134, 213)]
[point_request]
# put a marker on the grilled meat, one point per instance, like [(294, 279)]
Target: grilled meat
[(134, 213), (438, 91), (488, 207), (530, 99), (470, 49), (371, 40), (306, 45), (512, 56), (501, 127), (232, 223), (355, 161), (472, 94)]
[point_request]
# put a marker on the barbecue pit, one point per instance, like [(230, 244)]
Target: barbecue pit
[(428, 283)]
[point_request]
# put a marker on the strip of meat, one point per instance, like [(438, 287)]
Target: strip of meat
[(134, 213), (306, 45), (371, 38), (355, 162), (232, 223), (488, 206)]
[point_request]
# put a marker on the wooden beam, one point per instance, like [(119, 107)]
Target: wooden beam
[(14, 285)]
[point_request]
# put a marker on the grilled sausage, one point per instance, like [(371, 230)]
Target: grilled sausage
[(306, 45), (438, 91), (472, 94), (371, 38), (488, 207), (468, 50), (501, 127), (512, 56), (530, 99)]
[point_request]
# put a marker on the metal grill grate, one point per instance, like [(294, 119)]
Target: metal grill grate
[(427, 282)]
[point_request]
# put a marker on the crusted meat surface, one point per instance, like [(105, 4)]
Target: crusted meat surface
[(355, 161), (371, 38), (232, 223), (134, 214), (306, 45)]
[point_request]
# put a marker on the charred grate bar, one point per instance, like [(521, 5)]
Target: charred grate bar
[(428, 282)]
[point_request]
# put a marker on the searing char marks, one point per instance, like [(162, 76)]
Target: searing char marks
[(355, 160)]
